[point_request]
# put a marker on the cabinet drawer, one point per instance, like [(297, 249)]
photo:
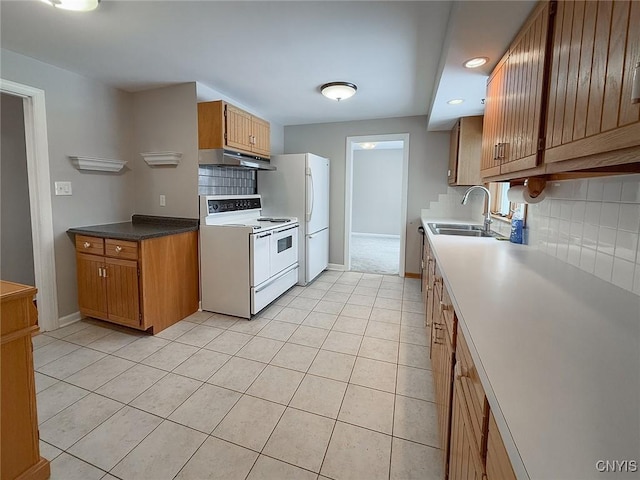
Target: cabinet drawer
[(92, 245), (121, 249)]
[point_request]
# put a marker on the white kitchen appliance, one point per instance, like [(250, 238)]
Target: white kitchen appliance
[(300, 187), (246, 260)]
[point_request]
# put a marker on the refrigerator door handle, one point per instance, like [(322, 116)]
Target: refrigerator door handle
[(312, 194)]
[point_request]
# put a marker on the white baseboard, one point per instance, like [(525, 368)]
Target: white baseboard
[(336, 266), (69, 319), (377, 235)]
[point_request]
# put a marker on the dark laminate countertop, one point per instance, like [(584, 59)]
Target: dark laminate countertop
[(141, 227)]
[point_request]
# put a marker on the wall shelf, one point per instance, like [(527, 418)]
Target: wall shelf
[(161, 158), (97, 164)]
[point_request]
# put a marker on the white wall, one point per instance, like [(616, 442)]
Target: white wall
[(16, 255), (428, 161), (377, 191), (84, 117), (166, 119)]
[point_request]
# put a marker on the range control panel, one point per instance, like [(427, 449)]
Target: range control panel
[(232, 205)]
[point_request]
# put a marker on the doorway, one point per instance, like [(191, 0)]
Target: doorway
[(376, 203), (39, 197)]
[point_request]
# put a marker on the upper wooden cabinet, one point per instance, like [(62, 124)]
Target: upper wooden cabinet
[(596, 46), (221, 125), (561, 98), (465, 151), (513, 120)]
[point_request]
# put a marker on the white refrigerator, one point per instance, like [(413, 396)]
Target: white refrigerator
[(299, 187)]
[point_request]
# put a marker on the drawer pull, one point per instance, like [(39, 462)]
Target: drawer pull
[(118, 248), (86, 244), (444, 307)]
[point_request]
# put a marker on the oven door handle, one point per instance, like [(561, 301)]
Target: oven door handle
[(285, 229), (268, 234)]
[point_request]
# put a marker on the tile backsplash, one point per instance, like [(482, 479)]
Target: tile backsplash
[(214, 180), (449, 205), (592, 224)]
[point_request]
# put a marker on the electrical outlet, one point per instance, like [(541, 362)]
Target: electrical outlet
[(63, 188), (163, 201)]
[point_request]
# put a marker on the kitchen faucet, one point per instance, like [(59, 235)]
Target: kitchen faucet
[(487, 214)]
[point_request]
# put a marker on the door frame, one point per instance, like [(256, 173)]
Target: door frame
[(37, 150), (351, 141)]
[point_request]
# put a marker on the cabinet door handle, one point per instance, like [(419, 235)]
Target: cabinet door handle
[(118, 249), (444, 307), (635, 89), (495, 151), (99, 271), (86, 244), (104, 272), (501, 152)]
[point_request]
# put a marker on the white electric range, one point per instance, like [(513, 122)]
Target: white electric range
[(246, 260)]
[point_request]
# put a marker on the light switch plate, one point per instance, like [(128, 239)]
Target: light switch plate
[(163, 201), (63, 188)]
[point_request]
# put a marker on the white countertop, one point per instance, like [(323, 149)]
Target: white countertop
[(557, 350)]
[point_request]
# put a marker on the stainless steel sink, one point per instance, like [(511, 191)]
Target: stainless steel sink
[(465, 230)]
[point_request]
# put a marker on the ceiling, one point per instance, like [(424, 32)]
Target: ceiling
[(274, 55)]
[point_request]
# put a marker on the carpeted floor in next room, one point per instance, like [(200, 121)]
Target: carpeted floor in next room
[(375, 254)]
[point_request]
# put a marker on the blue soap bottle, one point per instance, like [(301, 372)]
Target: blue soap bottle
[(517, 225)]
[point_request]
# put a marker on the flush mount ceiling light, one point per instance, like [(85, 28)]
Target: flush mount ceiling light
[(74, 5), (476, 62), (455, 101), (338, 90), (368, 145)]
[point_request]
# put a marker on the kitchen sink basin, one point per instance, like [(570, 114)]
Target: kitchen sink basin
[(464, 230)]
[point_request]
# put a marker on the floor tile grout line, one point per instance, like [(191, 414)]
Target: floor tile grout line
[(200, 348)]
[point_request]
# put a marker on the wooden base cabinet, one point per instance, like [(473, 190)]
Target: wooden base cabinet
[(150, 284), (465, 462), (442, 357), (498, 463), (20, 448)]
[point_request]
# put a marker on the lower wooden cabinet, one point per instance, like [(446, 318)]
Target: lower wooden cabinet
[(442, 357), (20, 452), (150, 284), (498, 464), (471, 444), (465, 461)]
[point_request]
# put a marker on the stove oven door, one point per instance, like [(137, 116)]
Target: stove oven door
[(284, 249), (260, 261)]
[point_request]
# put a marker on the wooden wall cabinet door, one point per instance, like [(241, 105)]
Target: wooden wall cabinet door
[(596, 46), (515, 101), (465, 151), (261, 132), (238, 129), (222, 125)]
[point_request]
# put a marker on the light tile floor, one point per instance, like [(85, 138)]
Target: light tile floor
[(331, 381)]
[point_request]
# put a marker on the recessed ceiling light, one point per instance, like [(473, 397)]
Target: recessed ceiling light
[(74, 5), (476, 62), (455, 101), (368, 145), (338, 90)]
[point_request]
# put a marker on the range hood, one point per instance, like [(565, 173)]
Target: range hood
[(229, 158)]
